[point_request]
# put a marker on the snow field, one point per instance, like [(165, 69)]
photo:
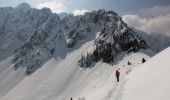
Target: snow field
[(150, 81), (63, 79)]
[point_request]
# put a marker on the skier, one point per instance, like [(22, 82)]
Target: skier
[(117, 75), (71, 99)]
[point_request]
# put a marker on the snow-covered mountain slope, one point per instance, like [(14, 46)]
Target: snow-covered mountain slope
[(63, 79), (32, 39), (17, 25), (35, 36), (9, 77), (151, 80)]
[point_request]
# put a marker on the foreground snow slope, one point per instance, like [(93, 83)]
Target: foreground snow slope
[(150, 81), (62, 79), (8, 76)]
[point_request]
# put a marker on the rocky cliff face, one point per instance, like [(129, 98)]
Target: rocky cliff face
[(115, 37), (38, 35)]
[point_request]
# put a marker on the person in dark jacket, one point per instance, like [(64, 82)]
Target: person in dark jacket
[(129, 63), (143, 60), (71, 99), (117, 75)]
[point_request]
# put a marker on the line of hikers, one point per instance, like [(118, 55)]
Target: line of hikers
[(117, 74)]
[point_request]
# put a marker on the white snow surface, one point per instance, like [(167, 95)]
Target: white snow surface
[(8, 76), (61, 79), (151, 80)]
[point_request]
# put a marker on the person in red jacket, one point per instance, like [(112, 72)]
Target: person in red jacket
[(117, 75)]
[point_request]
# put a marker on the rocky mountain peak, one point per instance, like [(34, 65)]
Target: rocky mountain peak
[(24, 6), (114, 38)]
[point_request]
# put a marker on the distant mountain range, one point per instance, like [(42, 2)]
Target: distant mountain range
[(34, 36)]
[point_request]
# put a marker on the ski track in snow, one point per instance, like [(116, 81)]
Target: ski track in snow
[(115, 92)]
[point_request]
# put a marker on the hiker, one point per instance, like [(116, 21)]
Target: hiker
[(143, 60), (129, 63), (117, 75)]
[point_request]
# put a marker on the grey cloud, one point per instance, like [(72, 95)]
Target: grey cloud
[(159, 24), (153, 11)]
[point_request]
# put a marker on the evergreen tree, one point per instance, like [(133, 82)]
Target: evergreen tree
[(88, 60), (107, 54), (81, 61), (95, 56)]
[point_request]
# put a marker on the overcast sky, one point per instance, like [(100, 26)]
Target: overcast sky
[(148, 15), (120, 6)]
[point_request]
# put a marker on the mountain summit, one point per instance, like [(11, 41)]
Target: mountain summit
[(114, 38), (24, 6)]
